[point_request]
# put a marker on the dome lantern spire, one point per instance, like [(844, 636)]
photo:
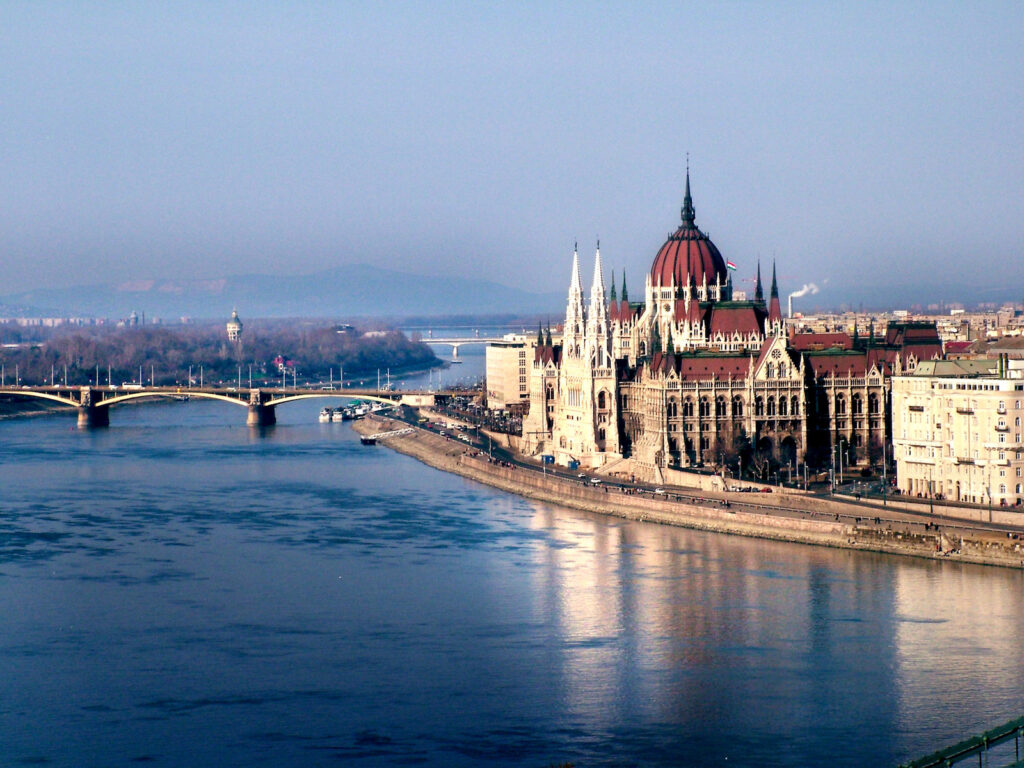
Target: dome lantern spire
[(687, 213)]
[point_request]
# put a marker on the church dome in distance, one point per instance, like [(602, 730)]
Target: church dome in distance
[(688, 254)]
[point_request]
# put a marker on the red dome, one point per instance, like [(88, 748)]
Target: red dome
[(688, 254)]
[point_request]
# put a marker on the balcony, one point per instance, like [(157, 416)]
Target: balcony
[(1002, 428), (916, 408), (964, 460), (965, 410)]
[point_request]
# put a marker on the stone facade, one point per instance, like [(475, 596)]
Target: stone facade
[(957, 429), (692, 377)]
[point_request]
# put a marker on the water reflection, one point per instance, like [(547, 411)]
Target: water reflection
[(784, 645)]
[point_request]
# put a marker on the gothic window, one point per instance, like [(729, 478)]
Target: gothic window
[(782, 406), (673, 408), (840, 405), (769, 370), (720, 407), (873, 403), (625, 402), (771, 406), (858, 405), (600, 434), (795, 403), (759, 406), (705, 407), (643, 348), (687, 408), (782, 370), (737, 406), (601, 400)]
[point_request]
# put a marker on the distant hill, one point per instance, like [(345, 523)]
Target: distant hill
[(367, 291), (359, 290)]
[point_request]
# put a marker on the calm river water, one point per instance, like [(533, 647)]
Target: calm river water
[(180, 590)]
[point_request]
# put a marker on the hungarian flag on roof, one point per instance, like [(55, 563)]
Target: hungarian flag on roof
[(730, 265)]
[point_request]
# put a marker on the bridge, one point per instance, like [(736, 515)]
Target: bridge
[(459, 341), (94, 403)]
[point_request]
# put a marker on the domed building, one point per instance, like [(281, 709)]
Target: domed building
[(692, 377)]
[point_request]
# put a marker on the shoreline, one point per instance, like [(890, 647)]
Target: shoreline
[(966, 545)]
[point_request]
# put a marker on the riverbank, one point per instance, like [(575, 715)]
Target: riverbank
[(819, 521)]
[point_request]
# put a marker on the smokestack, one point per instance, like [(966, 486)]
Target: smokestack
[(806, 289)]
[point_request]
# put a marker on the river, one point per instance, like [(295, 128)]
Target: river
[(178, 589)]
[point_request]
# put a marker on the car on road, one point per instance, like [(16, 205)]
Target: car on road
[(595, 481), (660, 491)]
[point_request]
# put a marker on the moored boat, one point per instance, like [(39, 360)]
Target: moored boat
[(326, 414)]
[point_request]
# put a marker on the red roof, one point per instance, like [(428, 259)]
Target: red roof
[(688, 254), (703, 367), (746, 318)]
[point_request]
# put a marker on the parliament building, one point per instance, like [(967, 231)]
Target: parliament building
[(692, 377)]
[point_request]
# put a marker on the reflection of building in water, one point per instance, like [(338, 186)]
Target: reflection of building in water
[(655, 624)]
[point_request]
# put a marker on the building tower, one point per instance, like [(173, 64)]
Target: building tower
[(234, 327)]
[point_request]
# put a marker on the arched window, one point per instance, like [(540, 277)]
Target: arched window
[(782, 370), (720, 410), (782, 406), (705, 407), (771, 406), (759, 406), (673, 408), (840, 405), (602, 400), (561, 442), (737, 406), (794, 405), (643, 348), (550, 392), (873, 403), (600, 434), (858, 404), (769, 371), (687, 408)]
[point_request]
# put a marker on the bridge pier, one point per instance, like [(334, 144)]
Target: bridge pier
[(93, 416), (260, 414)]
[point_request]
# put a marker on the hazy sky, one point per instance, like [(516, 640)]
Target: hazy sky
[(199, 140)]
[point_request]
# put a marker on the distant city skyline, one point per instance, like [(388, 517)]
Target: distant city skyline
[(149, 141)]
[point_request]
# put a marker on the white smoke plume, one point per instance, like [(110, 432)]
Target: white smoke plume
[(808, 288)]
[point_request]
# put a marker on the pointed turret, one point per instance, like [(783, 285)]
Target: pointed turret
[(758, 291), (547, 337), (774, 308), (611, 296), (575, 317), (597, 318), (625, 293), (540, 335), (688, 214)]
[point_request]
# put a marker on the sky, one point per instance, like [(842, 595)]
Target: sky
[(849, 141)]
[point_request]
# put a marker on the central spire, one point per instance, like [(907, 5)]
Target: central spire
[(687, 212)]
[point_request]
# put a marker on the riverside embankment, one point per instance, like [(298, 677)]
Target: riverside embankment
[(803, 520)]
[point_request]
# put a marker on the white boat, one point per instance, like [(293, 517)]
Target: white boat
[(326, 414), (338, 415)]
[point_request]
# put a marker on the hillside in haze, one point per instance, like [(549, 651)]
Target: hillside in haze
[(366, 291), (359, 290)]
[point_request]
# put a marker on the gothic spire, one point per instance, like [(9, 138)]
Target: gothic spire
[(540, 335), (687, 213), (547, 337), (775, 285), (612, 297), (625, 294), (758, 292)]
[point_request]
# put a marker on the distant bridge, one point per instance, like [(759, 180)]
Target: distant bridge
[(455, 343), (94, 403)]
